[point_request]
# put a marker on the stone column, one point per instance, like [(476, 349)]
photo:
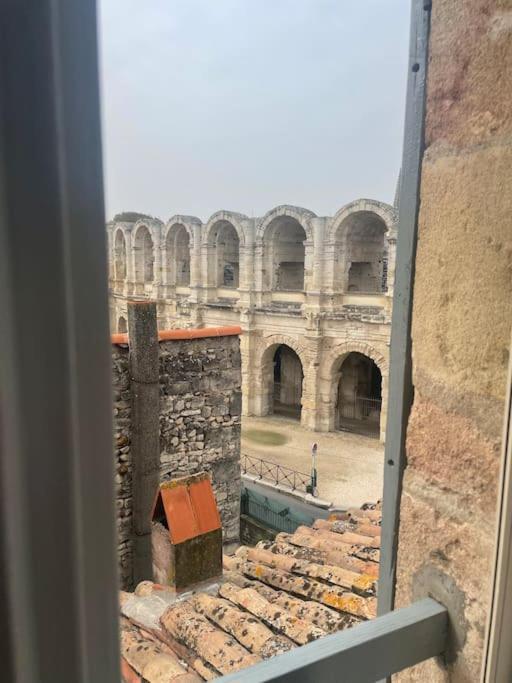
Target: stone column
[(391, 269), (263, 274), (327, 391), (247, 361), (310, 392), (157, 263), (315, 267), (130, 264), (145, 437), (316, 280), (196, 265), (246, 281), (166, 289), (111, 260), (209, 274)]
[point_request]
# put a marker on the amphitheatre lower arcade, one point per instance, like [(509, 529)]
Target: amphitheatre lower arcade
[(312, 294)]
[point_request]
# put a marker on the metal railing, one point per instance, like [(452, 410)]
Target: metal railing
[(276, 474), (368, 407), (263, 513), (361, 408)]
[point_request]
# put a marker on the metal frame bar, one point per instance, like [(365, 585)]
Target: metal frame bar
[(57, 529), (400, 377), (497, 665), (361, 654)]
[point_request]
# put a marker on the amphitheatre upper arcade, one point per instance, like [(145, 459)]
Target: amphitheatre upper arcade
[(313, 296)]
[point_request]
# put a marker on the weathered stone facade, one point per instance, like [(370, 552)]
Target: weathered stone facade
[(462, 316), (200, 413), (322, 286)]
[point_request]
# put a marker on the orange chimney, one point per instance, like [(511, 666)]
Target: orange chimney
[(186, 533)]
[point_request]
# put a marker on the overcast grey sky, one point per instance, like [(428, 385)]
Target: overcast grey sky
[(247, 104)]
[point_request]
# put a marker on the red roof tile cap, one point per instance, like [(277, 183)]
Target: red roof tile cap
[(190, 333), (189, 506)]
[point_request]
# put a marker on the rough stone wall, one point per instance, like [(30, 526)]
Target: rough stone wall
[(122, 456), (461, 326), (200, 416)]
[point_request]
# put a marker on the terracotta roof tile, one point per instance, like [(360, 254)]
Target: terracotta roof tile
[(189, 506), (272, 598), (204, 505)]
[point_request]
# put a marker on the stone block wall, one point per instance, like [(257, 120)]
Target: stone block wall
[(200, 418), (462, 316)]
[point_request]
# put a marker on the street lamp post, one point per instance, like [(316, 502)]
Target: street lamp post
[(312, 487)]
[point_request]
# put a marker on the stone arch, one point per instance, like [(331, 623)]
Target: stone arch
[(301, 215), (188, 223), (144, 246), (120, 256), (337, 355), (384, 211), (278, 339), (179, 242), (220, 218), (264, 371), (223, 237), (285, 238), (330, 377), (358, 235)]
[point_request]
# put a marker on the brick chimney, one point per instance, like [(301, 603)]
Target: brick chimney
[(186, 533)]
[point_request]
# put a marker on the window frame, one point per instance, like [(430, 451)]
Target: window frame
[(57, 521), (56, 470)]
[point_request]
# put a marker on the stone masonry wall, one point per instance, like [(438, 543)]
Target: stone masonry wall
[(123, 480), (200, 417), (462, 316)]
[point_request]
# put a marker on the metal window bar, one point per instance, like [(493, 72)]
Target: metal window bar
[(275, 473), (400, 375), (361, 654)]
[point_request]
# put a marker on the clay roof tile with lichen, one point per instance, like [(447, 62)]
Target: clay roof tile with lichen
[(274, 597)]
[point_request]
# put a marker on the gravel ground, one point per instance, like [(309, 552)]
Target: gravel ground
[(349, 466)]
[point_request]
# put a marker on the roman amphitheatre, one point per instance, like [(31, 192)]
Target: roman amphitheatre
[(312, 294)]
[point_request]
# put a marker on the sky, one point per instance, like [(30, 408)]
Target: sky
[(247, 104)]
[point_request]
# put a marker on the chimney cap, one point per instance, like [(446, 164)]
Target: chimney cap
[(189, 506)]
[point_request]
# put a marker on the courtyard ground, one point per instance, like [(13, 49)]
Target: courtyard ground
[(349, 466)]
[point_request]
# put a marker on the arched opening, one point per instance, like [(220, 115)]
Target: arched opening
[(122, 325), (182, 257), (285, 383), (361, 237), (284, 254), (178, 256), (120, 256), (359, 395), (226, 247), (144, 255)]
